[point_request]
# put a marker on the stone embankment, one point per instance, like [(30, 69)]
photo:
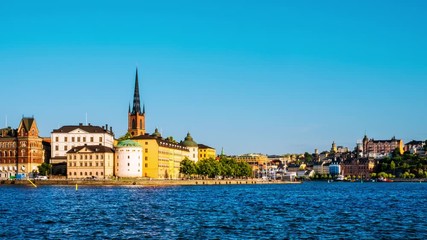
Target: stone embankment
[(142, 182)]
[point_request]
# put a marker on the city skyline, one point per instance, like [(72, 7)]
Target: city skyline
[(246, 76)]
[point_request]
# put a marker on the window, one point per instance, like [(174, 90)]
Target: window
[(56, 148), (97, 164), (75, 173), (84, 139), (65, 139), (65, 147), (102, 164), (100, 139), (85, 173), (146, 158), (85, 157), (78, 139), (81, 157), (90, 173), (81, 173), (146, 150), (85, 164), (90, 157), (56, 139), (102, 173), (128, 164), (146, 165), (73, 139), (91, 139), (74, 157), (96, 173), (146, 143)]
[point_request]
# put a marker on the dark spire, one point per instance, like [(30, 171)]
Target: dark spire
[(129, 108), (136, 102), (143, 108)]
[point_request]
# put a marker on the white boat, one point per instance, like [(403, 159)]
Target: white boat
[(340, 178)]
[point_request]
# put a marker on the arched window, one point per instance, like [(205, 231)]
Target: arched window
[(133, 124)]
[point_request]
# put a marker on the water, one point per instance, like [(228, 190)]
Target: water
[(303, 211)]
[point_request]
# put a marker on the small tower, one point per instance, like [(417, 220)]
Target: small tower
[(136, 117), (334, 147)]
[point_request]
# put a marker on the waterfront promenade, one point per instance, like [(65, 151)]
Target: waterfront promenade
[(143, 182)]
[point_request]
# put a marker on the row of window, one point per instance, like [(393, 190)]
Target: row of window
[(86, 164), (71, 157), (73, 139), (85, 173)]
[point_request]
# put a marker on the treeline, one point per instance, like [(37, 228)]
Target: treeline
[(211, 168), (406, 165)]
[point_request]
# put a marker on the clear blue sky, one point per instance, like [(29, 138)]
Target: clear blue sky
[(250, 76)]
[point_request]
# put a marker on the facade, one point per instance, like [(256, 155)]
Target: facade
[(257, 161), (89, 161), (136, 117), (335, 168), (321, 167), (21, 150), (381, 148), (206, 152), (362, 167), (162, 157), (193, 148), (128, 159), (415, 147), (68, 137)]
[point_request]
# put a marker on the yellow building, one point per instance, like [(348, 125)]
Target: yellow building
[(162, 157), (206, 152), (90, 161), (257, 161)]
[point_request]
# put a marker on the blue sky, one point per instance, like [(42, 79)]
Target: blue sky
[(250, 76)]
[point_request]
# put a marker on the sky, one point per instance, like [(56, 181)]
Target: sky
[(268, 77)]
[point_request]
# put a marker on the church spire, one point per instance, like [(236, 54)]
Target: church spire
[(136, 101)]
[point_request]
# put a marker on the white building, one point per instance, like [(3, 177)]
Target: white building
[(128, 162), (68, 137), (192, 147)]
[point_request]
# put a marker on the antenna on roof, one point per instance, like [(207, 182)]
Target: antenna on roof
[(6, 122), (86, 118)]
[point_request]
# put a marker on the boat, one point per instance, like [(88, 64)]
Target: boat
[(340, 178), (381, 179)]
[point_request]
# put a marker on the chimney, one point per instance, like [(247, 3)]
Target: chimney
[(80, 124), (106, 127), (111, 129)]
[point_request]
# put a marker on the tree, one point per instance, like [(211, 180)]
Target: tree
[(396, 152), (308, 158), (124, 137), (392, 166), (187, 167), (45, 169)]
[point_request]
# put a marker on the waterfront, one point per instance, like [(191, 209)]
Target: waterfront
[(310, 210)]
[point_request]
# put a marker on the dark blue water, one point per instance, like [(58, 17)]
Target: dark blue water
[(304, 211)]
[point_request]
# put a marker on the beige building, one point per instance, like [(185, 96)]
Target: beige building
[(90, 161)]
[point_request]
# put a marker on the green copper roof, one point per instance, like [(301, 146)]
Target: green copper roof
[(156, 133), (189, 142), (128, 143)]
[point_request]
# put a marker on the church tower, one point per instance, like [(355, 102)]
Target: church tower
[(136, 117)]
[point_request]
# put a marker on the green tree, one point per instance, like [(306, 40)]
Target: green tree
[(187, 167), (308, 158), (124, 137), (45, 169)]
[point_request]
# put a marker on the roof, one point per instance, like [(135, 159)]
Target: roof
[(189, 142), (92, 148), (128, 143), (87, 128), (27, 123), (202, 146), (160, 141), (414, 142)]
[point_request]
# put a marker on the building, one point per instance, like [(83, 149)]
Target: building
[(68, 137), (415, 147), (258, 162), (162, 157), (362, 167), (335, 168), (128, 159), (90, 161), (192, 146), (21, 149), (206, 152), (136, 117), (321, 167), (381, 148)]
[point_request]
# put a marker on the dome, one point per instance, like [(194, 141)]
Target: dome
[(128, 143), (156, 133), (189, 142)]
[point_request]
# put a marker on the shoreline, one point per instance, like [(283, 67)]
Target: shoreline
[(139, 182)]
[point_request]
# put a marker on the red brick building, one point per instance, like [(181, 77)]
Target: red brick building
[(381, 148), (21, 149)]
